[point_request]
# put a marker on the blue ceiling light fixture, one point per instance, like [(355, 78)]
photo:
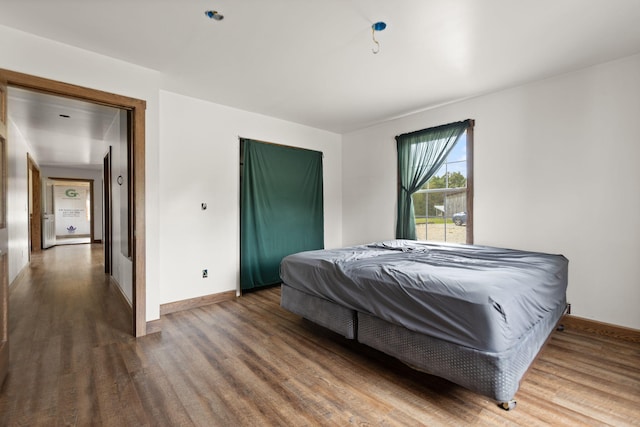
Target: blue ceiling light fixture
[(213, 14), (378, 26)]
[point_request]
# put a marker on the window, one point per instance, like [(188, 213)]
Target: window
[(440, 205), (435, 189)]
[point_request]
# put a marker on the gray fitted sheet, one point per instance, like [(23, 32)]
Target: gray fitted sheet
[(476, 296)]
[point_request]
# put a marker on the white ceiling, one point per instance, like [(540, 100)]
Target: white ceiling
[(77, 140), (311, 62)]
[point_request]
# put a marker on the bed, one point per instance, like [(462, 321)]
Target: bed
[(475, 315)]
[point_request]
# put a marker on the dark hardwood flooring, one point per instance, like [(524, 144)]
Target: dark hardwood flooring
[(248, 362)]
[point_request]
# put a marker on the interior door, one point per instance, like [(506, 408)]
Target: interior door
[(4, 285), (48, 217)]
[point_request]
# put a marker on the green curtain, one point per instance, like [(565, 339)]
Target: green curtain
[(281, 209), (420, 155)]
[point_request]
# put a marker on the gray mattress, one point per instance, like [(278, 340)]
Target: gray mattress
[(478, 297)]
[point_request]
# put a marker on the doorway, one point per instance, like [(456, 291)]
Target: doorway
[(135, 109), (35, 209), (68, 211)]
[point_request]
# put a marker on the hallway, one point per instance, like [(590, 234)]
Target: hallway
[(64, 321)]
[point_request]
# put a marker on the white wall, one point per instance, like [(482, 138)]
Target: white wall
[(556, 170), (121, 264), (26, 53), (200, 161), (17, 202), (76, 173)]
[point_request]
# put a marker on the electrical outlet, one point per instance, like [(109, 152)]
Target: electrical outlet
[(205, 273)]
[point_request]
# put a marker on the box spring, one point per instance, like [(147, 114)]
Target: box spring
[(495, 375), (325, 313)]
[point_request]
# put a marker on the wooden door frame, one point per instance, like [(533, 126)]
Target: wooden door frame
[(35, 215), (107, 237), (137, 108)]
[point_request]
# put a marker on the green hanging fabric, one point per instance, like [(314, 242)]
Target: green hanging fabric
[(281, 209), (420, 155)]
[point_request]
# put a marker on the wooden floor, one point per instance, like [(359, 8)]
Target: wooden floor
[(250, 363)]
